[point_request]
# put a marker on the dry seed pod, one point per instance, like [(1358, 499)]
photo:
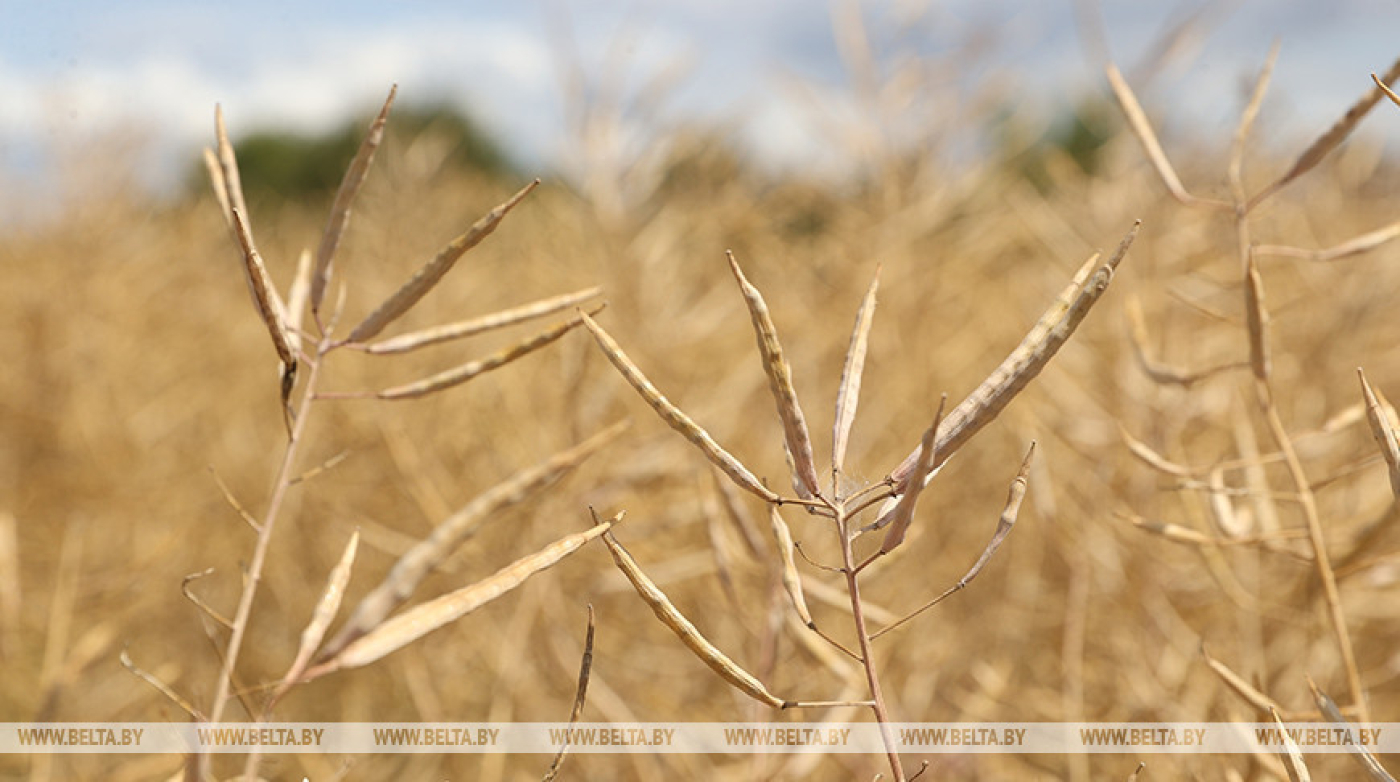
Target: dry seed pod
[(418, 561), (799, 440), (1297, 768), (467, 328), (322, 616), (1137, 120), (265, 297), (1153, 459), (1258, 319), (402, 630), (1223, 508), (580, 696), (1014, 496), (1007, 520), (428, 276), (792, 580), (1157, 371), (1173, 532), (1041, 344), (1361, 244), (461, 374), (297, 298), (673, 416), (344, 198), (216, 178), (231, 197), (670, 616), (1389, 93), (1329, 709), (848, 395), (1247, 117), (1334, 136), (161, 687), (1384, 432), (738, 516), (923, 466), (1239, 684)]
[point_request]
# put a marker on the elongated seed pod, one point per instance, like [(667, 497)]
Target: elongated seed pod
[(848, 395), (792, 580), (799, 440), (673, 416), (403, 629), (344, 199), (432, 272), (700, 646)]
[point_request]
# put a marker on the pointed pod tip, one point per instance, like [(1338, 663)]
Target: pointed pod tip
[(734, 263)]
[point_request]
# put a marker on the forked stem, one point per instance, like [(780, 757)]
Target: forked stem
[(867, 654), (253, 577)]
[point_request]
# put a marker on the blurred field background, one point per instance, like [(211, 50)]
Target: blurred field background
[(135, 366)]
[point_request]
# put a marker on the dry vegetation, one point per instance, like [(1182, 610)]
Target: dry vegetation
[(1196, 442)]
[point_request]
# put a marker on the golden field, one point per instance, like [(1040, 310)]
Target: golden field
[(137, 371)]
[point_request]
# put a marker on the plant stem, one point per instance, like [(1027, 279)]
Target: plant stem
[(866, 652), (254, 575), (1325, 573)]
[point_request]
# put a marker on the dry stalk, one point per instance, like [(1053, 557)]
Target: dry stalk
[(1361, 244), (1241, 687)]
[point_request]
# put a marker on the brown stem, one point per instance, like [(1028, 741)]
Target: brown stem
[(867, 654), (269, 523), (1321, 560)]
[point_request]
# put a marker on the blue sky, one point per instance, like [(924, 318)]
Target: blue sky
[(72, 72)]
